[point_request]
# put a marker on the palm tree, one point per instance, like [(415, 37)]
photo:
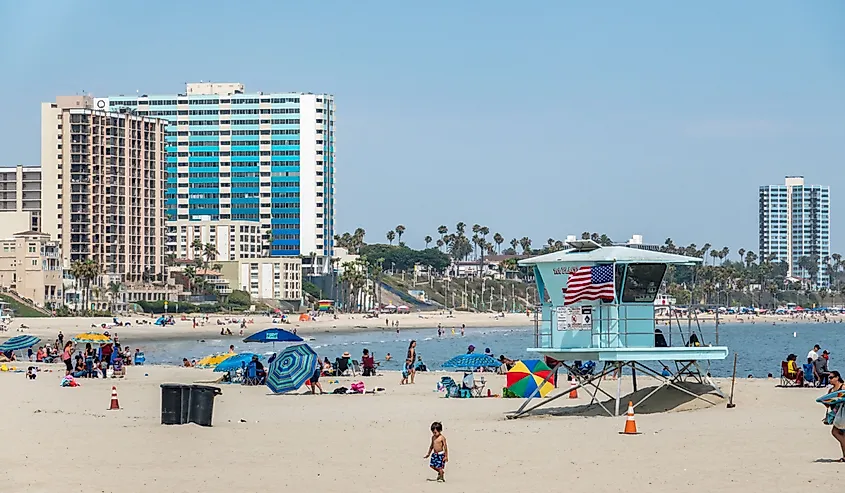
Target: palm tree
[(428, 239), (190, 274), (476, 228), (440, 244), (498, 239), (399, 230), (741, 253), (442, 230), (461, 228), (391, 235), (114, 290), (525, 243), (197, 247), (585, 235), (209, 253), (514, 243)]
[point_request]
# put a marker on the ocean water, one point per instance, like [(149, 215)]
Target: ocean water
[(760, 347)]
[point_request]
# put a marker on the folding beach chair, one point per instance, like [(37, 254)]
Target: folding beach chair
[(475, 388), (356, 369), (343, 367), (453, 389), (251, 375), (788, 379)]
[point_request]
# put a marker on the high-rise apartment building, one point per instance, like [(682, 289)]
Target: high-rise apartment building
[(795, 227), (247, 159), (20, 199), (103, 179)]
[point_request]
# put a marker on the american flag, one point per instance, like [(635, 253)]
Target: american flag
[(590, 283)]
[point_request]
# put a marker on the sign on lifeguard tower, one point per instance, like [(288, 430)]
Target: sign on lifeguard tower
[(574, 318)]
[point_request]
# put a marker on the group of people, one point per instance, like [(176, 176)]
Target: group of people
[(94, 363), (814, 372)]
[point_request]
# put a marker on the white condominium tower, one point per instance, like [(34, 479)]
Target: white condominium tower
[(795, 228)]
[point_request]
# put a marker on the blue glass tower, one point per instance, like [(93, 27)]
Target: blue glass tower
[(254, 158)]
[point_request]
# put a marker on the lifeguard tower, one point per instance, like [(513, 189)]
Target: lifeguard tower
[(598, 305)]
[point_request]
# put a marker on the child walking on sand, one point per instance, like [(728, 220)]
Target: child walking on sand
[(438, 451)]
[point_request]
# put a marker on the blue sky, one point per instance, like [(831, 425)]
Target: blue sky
[(534, 118)]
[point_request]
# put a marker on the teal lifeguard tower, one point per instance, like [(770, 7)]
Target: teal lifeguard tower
[(618, 329)]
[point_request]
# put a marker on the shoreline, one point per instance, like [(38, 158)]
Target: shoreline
[(47, 328)]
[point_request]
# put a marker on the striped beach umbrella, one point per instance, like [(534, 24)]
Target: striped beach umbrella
[(19, 342), (472, 361), (291, 368)]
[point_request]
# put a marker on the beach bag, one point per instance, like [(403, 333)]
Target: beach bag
[(839, 419), (340, 390)]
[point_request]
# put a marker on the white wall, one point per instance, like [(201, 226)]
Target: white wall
[(308, 174)]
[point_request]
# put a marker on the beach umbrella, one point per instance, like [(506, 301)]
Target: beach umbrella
[(212, 360), (273, 335), (235, 362), (526, 376), (472, 361), (291, 368), (19, 342), (92, 338)]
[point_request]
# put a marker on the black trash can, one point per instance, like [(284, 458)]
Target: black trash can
[(175, 401), (202, 404)]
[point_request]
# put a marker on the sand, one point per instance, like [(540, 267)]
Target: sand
[(64, 439), (47, 328)]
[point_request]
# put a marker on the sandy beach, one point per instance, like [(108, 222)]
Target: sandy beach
[(47, 328), (334, 443)]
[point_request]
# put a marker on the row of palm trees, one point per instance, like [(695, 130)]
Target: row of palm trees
[(204, 255)]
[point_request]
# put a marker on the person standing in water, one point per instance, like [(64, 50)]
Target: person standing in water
[(410, 359)]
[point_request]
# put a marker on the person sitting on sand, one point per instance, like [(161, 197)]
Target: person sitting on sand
[(809, 372), (186, 363), (507, 362)]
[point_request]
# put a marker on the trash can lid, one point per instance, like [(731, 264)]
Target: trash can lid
[(173, 385), (207, 388)]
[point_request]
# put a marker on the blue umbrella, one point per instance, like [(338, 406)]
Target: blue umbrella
[(19, 342), (273, 335), (235, 362), (472, 361), (291, 368)]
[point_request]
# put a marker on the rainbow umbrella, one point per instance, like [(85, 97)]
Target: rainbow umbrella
[(526, 376), (213, 360), (92, 338)]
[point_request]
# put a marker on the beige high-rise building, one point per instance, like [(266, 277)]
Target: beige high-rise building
[(20, 198), (102, 187)]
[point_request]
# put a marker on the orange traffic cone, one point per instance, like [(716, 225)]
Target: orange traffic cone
[(114, 404), (630, 424), (573, 392)]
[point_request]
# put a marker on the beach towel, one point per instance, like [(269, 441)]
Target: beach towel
[(839, 418), (357, 387)]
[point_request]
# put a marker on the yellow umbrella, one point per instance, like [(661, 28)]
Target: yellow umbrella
[(212, 360), (92, 337)]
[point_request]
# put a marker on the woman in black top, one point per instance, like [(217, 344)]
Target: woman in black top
[(410, 359)]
